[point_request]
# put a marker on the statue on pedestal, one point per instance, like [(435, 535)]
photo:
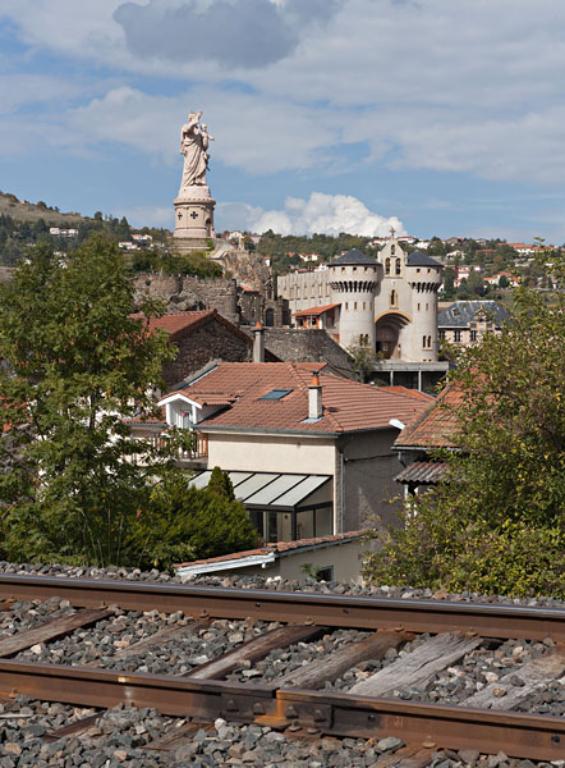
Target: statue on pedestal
[(194, 142), (194, 205)]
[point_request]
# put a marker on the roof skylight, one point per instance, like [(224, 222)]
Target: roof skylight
[(276, 394)]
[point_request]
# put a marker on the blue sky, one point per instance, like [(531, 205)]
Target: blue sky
[(443, 117)]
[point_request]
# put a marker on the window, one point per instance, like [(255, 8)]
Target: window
[(397, 266), (393, 298), (418, 306), (325, 574), (393, 249), (473, 335), (442, 335), (427, 307), (387, 266), (424, 342), (276, 394), (364, 305), (429, 342), (354, 305), (457, 336), (347, 305)]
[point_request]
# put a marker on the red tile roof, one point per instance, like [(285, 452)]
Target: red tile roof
[(278, 547), (315, 311), (416, 394), (437, 426), (181, 321), (348, 406)]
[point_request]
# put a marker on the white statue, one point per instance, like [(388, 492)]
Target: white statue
[(194, 141)]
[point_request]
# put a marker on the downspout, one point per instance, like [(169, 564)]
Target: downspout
[(339, 493)]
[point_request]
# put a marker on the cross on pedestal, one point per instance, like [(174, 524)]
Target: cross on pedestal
[(193, 215)]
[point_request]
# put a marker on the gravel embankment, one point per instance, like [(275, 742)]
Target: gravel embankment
[(120, 736), (273, 583)]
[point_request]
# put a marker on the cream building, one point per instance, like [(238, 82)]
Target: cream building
[(388, 302), (309, 453)]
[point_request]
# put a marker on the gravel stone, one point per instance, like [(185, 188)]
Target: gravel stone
[(121, 734)]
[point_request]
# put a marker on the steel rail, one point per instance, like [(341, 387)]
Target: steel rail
[(518, 735), (352, 611), (431, 725)]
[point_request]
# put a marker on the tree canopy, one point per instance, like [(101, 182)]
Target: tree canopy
[(497, 522), (77, 365), (76, 486)]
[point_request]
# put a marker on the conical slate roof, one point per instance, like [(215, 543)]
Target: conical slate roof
[(354, 257)]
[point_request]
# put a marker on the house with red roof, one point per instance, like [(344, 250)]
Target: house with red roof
[(309, 453), (436, 428), (199, 337)]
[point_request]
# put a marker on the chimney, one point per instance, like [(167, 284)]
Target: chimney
[(259, 343), (315, 398)]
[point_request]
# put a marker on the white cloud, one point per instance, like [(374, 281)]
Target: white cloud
[(322, 214), (257, 135), (472, 86)]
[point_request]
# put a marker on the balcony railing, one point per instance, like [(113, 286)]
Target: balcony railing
[(198, 450)]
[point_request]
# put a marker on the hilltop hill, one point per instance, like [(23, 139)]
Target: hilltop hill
[(24, 211)]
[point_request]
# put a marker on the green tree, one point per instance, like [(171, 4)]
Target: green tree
[(503, 282), (77, 364), (221, 485), (497, 522), (448, 289), (184, 523), (363, 359)]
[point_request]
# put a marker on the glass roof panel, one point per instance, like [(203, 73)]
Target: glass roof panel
[(277, 488), (201, 480), (297, 494), (253, 484)]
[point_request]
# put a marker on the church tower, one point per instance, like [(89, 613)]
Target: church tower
[(354, 282)]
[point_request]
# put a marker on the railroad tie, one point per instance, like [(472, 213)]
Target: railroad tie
[(535, 674), (418, 666), (328, 668), (51, 630)]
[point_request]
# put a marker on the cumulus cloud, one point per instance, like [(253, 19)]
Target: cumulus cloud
[(473, 86), (258, 136), (322, 214), (234, 33)]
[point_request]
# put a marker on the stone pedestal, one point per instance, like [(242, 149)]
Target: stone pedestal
[(194, 219)]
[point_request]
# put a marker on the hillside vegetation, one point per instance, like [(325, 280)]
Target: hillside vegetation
[(24, 211)]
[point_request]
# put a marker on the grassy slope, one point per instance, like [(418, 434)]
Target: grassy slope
[(24, 211)]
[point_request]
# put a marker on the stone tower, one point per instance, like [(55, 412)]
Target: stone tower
[(406, 307), (354, 282), (424, 277)]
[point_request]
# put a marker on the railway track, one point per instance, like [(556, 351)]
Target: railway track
[(438, 634)]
